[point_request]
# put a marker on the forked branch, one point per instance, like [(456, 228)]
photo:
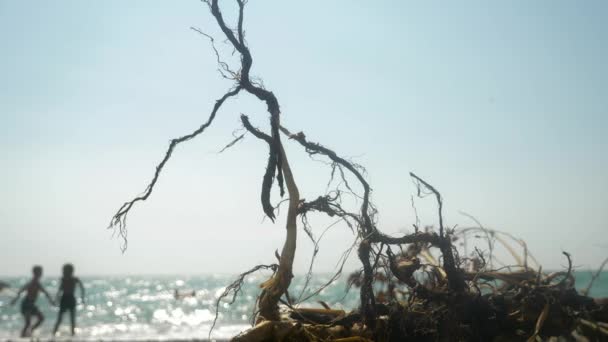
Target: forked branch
[(274, 167)]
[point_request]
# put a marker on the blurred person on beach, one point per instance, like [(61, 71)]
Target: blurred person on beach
[(177, 295), (3, 286), (28, 305), (67, 302)]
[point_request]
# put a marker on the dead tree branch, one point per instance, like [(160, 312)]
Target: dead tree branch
[(274, 166), (119, 220), (278, 284), (274, 160), (455, 279), (367, 228), (232, 143), (439, 305), (224, 68), (235, 287), (596, 275)]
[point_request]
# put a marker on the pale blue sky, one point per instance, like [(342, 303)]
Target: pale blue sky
[(501, 105)]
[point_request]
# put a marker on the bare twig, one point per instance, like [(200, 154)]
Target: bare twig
[(274, 160), (235, 287), (596, 275), (455, 279), (119, 220), (367, 228), (232, 143), (224, 68), (278, 284)]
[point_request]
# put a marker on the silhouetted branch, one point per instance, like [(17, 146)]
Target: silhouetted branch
[(223, 66), (367, 228), (274, 160), (277, 285), (119, 220), (240, 24), (315, 148), (232, 143), (454, 275), (315, 242), (585, 292), (270, 167), (235, 287), (569, 271), (439, 304), (437, 196)]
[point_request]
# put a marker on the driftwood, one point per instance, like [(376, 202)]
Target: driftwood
[(429, 291)]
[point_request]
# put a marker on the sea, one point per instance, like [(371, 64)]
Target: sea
[(144, 308)]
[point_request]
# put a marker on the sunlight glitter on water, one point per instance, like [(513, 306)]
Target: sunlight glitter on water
[(134, 308), (144, 308)]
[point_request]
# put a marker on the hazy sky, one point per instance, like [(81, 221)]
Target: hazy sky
[(503, 106)]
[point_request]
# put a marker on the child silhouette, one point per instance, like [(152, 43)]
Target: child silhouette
[(68, 300), (28, 305)]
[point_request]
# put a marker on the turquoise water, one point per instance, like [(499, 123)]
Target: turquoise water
[(144, 307)]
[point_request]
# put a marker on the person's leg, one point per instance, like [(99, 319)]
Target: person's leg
[(40, 317), (59, 317), (73, 320), (27, 318)]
